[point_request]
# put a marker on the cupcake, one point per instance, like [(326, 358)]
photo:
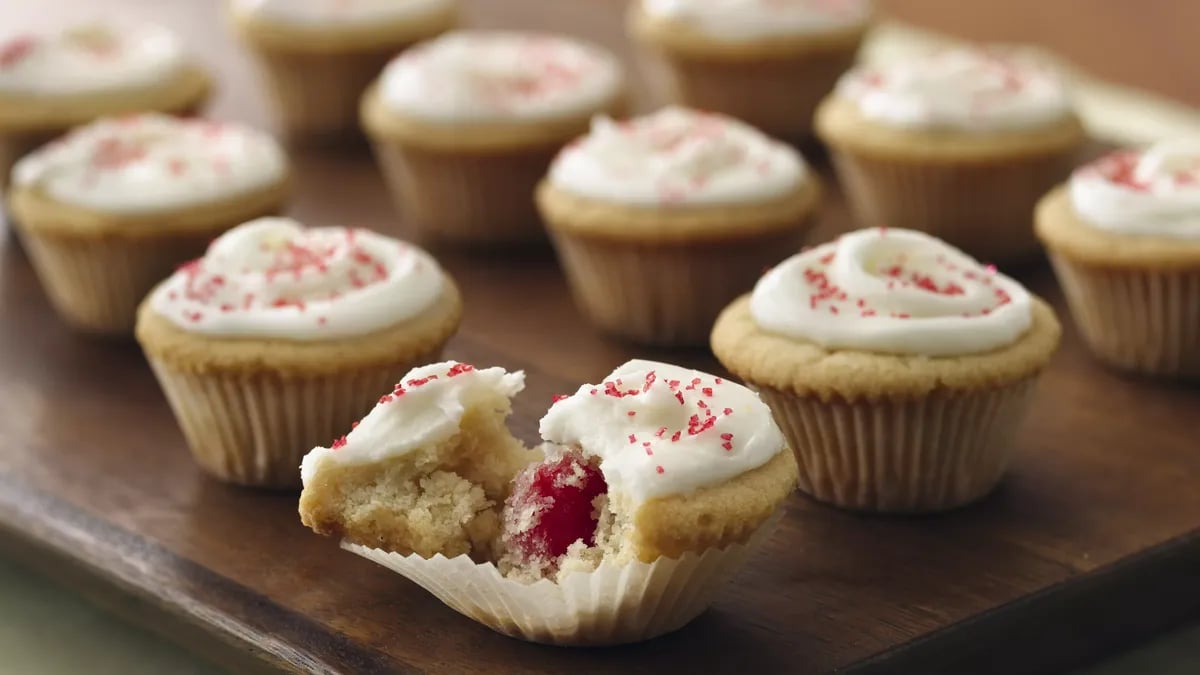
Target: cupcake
[(765, 62), (465, 125), (1124, 237), (958, 143), (898, 367), (651, 489), (113, 207), (281, 336), (660, 220), (318, 56), (50, 83)]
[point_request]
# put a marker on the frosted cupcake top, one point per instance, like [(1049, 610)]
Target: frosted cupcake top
[(273, 278), (659, 429), (969, 88), (677, 156), (150, 162), (341, 12), (425, 408), (1155, 191), (89, 59), (736, 20), (485, 76), (893, 292)]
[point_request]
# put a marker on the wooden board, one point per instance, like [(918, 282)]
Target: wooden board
[(1092, 541)]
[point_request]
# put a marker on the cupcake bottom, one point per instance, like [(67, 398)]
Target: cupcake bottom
[(466, 197), (1140, 320), (616, 603), (984, 208), (902, 456)]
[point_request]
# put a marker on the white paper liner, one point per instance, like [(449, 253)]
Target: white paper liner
[(614, 604)]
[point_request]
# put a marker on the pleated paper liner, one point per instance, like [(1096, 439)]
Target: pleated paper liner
[(664, 294), (614, 604), (254, 428), (1140, 320), (985, 209), (903, 456), (96, 283)]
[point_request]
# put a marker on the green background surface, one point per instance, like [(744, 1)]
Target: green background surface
[(46, 630)]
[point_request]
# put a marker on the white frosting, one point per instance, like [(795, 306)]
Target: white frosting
[(88, 59), (425, 408), (272, 278), (735, 20), (968, 88), (660, 429), (893, 292), (474, 76), (342, 12), (677, 156), (152, 162), (1154, 192)]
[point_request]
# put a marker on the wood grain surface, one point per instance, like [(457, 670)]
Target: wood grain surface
[(1092, 541)]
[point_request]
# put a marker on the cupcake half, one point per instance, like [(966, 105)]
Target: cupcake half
[(959, 143), (113, 207), (281, 336), (465, 125), (659, 220), (318, 56), (651, 489), (766, 63), (898, 367), (50, 83), (1124, 237)]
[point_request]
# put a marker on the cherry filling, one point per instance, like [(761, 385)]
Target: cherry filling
[(550, 508)]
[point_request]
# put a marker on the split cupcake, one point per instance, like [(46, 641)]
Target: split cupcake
[(959, 143), (113, 207), (767, 63), (651, 489), (898, 367), (318, 56), (281, 336), (50, 83), (660, 220), (465, 125), (1124, 237)]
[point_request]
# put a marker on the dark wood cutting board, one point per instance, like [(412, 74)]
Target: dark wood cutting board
[(1092, 541)]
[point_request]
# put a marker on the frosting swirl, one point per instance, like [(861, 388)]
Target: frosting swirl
[(477, 76), (892, 292), (89, 58), (734, 20), (272, 278), (151, 162), (342, 12), (660, 429), (677, 156), (425, 408), (968, 88), (1151, 192)]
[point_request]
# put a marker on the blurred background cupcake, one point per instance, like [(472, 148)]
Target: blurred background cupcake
[(317, 56), (767, 63)]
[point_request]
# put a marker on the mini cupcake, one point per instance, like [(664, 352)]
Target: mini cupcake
[(899, 368), (651, 490), (281, 336), (765, 62), (659, 220), (959, 143), (318, 56), (466, 125), (1124, 238), (50, 83), (113, 207)]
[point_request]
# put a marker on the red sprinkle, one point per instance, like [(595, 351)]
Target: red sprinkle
[(338, 443)]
